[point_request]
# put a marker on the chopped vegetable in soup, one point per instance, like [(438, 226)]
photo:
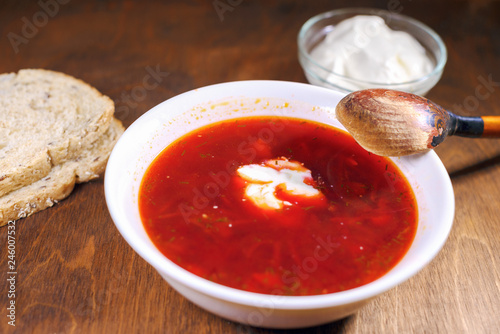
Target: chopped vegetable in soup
[(278, 206)]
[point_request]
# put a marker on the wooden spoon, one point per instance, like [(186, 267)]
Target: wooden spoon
[(393, 123)]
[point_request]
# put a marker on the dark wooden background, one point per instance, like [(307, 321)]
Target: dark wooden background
[(76, 274)]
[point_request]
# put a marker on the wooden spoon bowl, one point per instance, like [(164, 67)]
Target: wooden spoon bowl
[(394, 123)]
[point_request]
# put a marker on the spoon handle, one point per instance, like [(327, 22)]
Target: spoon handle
[(475, 127), (491, 126)]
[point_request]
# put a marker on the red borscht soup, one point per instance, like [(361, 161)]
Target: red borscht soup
[(278, 206)]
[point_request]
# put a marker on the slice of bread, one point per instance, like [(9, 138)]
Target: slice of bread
[(46, 118), (59, 182)]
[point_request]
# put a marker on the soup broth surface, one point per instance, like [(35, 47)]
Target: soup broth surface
[(279, 206)]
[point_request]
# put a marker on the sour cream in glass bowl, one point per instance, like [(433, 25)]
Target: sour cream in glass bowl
[(358, 48)]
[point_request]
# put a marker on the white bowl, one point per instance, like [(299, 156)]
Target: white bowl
[(149, 134)]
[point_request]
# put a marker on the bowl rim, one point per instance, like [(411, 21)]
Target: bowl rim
[(228, 294), (438, 68)]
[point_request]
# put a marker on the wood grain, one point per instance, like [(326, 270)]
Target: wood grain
[(76, 274)]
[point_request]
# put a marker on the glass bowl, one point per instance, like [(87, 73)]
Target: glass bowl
[(315, 30)]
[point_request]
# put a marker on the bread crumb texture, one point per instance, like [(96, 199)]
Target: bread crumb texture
[(55, 131)]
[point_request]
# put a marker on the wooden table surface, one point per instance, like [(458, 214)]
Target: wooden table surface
[(76, 274)]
